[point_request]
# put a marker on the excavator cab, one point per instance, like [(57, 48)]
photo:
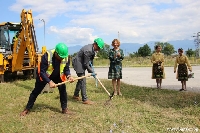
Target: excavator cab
[(8, 34), (4, 43)]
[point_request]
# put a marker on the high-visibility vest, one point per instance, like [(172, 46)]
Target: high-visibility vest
[(50, 66)]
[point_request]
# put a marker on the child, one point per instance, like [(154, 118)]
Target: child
[(115, 70), (158, 66), (182, 73)]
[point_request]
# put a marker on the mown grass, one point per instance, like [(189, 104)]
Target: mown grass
[(139, 110), (143, 61)]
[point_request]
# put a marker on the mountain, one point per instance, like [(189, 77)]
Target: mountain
[(133, 47), (185, 44), (74, 49)]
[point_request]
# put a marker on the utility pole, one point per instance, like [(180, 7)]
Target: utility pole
[(44, 29), (197, 44)]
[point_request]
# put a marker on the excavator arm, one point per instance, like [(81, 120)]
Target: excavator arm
[(25, 45)]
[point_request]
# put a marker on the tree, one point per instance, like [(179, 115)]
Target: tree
[(144, 51), (190, 52), (103, 53), (134, 54), (73, 55), (167, 48), (161, 44)]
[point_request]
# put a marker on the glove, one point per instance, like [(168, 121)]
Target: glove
[(93, 74)]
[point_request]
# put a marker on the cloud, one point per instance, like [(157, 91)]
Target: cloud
[(74, 35), (137, 21), (44, 8)]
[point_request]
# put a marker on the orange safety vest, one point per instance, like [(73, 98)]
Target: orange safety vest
[(50, 67)]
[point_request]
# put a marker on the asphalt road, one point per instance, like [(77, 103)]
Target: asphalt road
[(141, 76)]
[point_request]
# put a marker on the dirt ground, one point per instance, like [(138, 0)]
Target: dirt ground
[(141, 76)]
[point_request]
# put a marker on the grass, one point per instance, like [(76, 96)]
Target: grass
[(143, 62), (139, 110)]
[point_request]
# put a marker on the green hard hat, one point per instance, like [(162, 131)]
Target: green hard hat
[(99, 42), (62, 50)]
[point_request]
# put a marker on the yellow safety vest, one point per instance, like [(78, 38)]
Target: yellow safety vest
[(50, 66)]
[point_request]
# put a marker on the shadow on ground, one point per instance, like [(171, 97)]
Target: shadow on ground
[(25, 86), (39, 107)]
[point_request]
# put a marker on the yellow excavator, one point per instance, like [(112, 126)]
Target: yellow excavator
[(18, 47)]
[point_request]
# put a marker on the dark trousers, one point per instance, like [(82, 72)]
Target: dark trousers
[(81, 86), (39, 86)]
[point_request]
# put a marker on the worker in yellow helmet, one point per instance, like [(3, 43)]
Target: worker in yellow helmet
[(53, 69)]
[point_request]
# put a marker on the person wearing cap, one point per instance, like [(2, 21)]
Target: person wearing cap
[(183, 66), (53, 69), (83, 61)]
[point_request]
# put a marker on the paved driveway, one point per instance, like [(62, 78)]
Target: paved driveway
[(141, 76)]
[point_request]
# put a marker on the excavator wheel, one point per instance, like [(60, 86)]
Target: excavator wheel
[(8, 76), (35, 73), (28, 74), (14, 75), (1, 78)]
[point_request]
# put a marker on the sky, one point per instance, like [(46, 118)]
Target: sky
[(79, 22)]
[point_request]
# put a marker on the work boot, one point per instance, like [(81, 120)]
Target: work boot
[(88, 102), (66, 111), (25, 112), (76, 98)]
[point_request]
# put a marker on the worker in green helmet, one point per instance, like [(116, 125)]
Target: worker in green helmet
[(53, 69), (84, 61)]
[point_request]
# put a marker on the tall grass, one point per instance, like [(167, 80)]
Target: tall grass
[(143, 61), (139, 110)]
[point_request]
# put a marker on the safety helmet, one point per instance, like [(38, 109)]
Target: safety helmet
[(62, 50), (99, 42)]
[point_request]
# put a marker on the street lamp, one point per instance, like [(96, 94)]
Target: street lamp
[(44, 29)]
